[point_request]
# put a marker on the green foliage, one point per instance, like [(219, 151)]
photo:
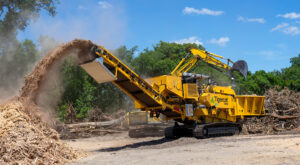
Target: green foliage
[(261, 81), (295, 61), (125, 54), (78, 87), (16, 14), (17, 58), (258, 82), (291, 75), (162, 59), (62, 111)]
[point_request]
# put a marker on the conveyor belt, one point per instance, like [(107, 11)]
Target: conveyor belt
[(123, 77)]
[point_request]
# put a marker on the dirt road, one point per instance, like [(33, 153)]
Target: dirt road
[(119, 149)]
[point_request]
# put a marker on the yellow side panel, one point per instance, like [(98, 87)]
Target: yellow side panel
[(251, 105), (224, 90), (167, 83), (217, 100), (228, 107)]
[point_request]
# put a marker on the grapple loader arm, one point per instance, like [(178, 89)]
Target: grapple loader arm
[(213, 60), (240, 66)]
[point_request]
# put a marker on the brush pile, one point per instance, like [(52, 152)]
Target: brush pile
[(97, 124), (283, 113)]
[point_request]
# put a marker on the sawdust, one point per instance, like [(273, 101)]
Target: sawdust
[(34, 81), (282, 113), (24, 136), (27, 141)]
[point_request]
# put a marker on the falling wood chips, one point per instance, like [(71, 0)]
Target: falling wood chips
[(24, 137)]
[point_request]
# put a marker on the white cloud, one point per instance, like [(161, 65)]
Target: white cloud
[(104, 4), (80, 7), (286, 28), (291, 15), (258, 20), (292, 30), (222, 41), (279, 26), (193, 40), (203, 11)]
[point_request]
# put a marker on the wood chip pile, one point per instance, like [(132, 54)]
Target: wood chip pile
[(24, 140), (24, 137)]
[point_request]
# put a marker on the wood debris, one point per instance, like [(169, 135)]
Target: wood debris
[(282, 113)]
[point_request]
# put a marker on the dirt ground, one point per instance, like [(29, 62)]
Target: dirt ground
[(115, 149)]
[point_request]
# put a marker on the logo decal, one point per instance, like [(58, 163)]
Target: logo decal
[(212, 100)]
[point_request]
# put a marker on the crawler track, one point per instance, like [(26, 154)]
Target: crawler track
[(203, 130)]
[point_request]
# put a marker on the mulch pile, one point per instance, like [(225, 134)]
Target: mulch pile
[(282, 113), (24, 137), (29, 141)]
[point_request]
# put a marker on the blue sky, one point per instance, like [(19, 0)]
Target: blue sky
[(264, 33)]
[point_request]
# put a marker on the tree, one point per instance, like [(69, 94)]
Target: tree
[(291, 75), (258, 82), (16, 14), (295, 61), (16, 57), (125, 54)]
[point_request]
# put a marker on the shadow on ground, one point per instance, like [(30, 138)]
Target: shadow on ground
[(136, 145)]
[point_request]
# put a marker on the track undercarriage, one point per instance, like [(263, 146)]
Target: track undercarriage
[(203, 130)]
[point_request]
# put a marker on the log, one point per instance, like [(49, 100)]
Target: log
[(290, 110), (96, 124), (283, 117)]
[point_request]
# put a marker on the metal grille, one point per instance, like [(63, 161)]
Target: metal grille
[(192, 90)]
